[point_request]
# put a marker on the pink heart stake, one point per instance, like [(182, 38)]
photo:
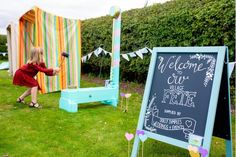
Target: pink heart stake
[(129, 137), (203, 151)]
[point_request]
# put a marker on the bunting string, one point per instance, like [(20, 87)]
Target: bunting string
[(126, 56)]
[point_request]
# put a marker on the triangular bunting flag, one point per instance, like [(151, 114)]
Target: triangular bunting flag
[(139, 53), (132, 54), (105, 52), (89, 55), (125, 56), (144, 50), (149, 49), (231, 67), (97, 51), (84, 58)]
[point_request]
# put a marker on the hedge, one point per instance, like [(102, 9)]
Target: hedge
[(3, 41), (174, 23)]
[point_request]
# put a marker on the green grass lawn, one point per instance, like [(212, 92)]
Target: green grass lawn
[(96, 130)]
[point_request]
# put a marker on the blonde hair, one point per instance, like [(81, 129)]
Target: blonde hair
[(35, 55)]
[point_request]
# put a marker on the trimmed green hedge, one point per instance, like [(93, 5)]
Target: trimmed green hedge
[(3, 41), (175, 23)]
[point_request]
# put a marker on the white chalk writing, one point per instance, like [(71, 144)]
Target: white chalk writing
[(173, 62), (177, 96)]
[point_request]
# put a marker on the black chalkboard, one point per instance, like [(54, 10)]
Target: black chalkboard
[(180, 94)]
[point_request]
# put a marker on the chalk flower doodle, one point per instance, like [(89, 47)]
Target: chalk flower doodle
[(148, 114), (210, 70)]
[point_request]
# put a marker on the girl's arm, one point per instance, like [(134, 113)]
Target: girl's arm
[(42, 64), (55, 70), (42, 68)]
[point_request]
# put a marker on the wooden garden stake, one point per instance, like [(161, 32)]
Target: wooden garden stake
[(126, 102), (143, 138), (122, 100), (129, 137)]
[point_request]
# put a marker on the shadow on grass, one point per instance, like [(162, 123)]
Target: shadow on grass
[(26, 105), (91, 105), (15, 106)]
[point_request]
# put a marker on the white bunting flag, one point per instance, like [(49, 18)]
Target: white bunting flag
[(231, 68), (106, 52), (89, 55), (149, 49), (97, 51), (144, 50), (139, 53), (84, 58), (132, 54), (125, 56)]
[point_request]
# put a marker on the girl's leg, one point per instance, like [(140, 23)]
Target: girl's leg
[(34, 91), (34, 103), (25, 94), (22, 97)]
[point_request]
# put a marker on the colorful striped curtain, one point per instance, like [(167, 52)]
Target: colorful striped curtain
[(55, 35)]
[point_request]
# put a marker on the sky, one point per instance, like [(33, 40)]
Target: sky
[(11, 10)]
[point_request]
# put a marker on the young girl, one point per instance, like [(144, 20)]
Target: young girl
[(25, 76)]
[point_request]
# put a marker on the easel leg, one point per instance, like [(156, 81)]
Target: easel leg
[(229, 148), (135, 146)]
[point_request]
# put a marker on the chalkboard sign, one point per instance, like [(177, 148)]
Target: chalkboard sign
[(181, 94)]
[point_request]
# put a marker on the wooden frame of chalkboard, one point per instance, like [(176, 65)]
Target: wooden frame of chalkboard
[(181, 60)]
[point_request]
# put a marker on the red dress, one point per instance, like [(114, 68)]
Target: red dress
[(25, 75)]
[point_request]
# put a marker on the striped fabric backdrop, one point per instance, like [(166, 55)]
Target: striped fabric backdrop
[(55, 35)]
